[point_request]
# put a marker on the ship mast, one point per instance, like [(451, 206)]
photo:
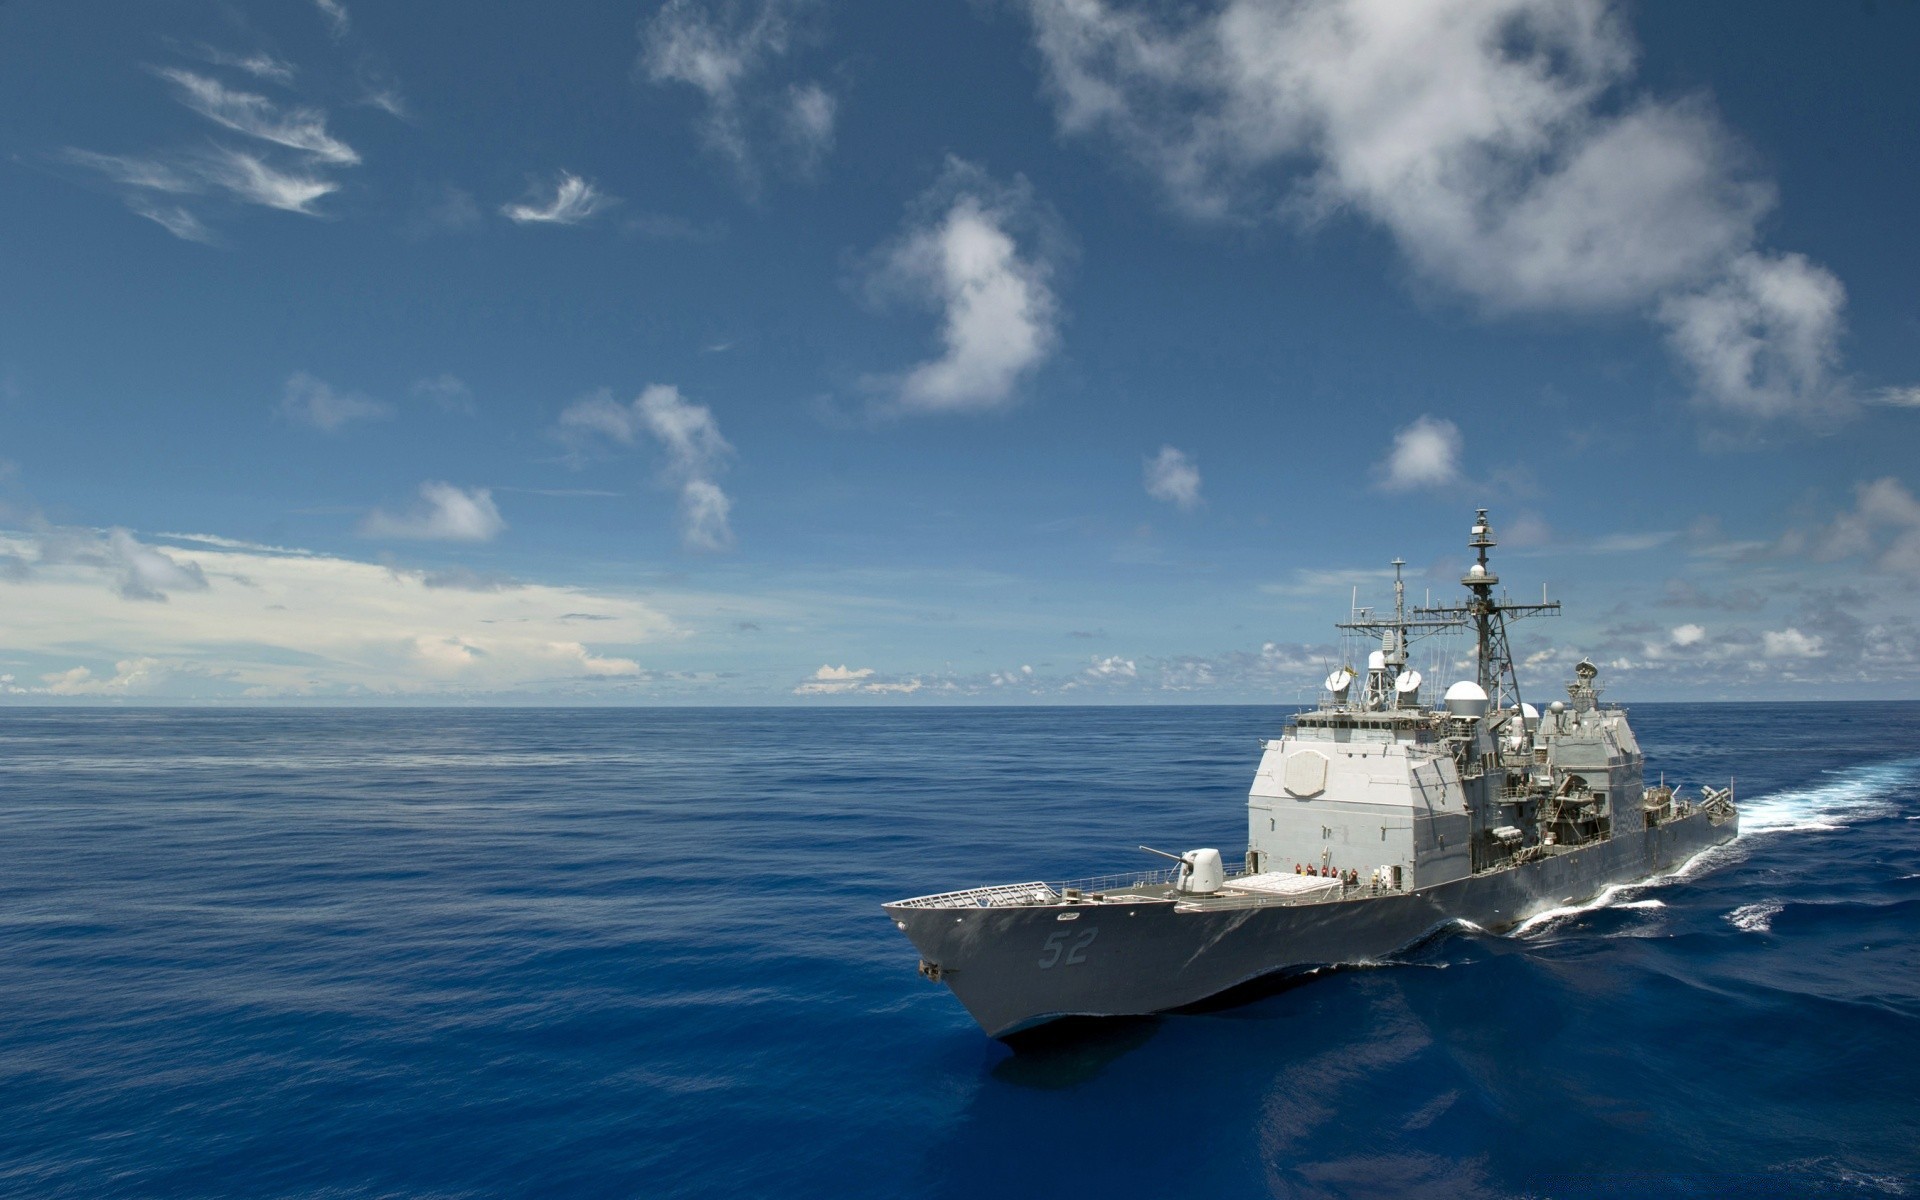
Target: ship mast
[(1488, 615), (1388, 684)]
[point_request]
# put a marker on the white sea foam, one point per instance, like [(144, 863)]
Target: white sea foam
[(1755, 918), (1649, 903), (1855, 794)]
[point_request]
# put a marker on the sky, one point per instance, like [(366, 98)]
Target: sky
[(1009, 351)]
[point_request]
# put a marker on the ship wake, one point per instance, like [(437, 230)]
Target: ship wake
[(1853, 794)]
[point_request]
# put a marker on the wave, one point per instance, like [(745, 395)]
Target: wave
[(1853, 794), (1755, 918)]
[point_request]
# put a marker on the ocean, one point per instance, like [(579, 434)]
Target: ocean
[(639, 952)]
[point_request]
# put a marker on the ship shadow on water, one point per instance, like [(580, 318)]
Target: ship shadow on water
[(1071, 1051)]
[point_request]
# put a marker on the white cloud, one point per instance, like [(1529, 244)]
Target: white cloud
[(1763, 341), (1424, 454), (259, 64), (842, 680), (1896, 397), (130, 676), (810, 115), (446, 513), (310, 401), (1883, 526), (1172, 475), (1688, 635), (574, 200), (448, 392), (219, 170), (719, 50), (999, 315), (252, 179), (1789, 643), (303, 129), (1112, 667), (687, 433), (192, 177), (176, 219), (1498, 141), (339, 24), (246, 620)]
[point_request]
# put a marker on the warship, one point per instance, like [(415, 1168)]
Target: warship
[(1376, 819)]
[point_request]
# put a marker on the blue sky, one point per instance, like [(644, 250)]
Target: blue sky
[(1044, 351)]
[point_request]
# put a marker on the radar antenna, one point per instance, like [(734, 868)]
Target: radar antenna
[(1389, 683), (1489, 615)]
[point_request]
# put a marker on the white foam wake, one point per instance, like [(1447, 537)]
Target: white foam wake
[(1555, 915), (1855, 794), (1755, 918)]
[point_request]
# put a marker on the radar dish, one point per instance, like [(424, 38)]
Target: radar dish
[(1340, 680), (1407, 683)]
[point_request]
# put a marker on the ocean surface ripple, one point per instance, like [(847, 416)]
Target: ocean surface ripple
[(456, 953)]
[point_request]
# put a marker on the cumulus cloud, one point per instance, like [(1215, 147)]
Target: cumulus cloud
[(1688, 635), (959, 254), (1883, 526), (1424, 454), (1763, 341), (1499, 142), (313, 402), (721, 50), (1172, 475), (685, 432), (1789, 643), (135, 570), (572, 201), (130, 677), (842, 680), (257, 621), (1112, 667), (445, 513)]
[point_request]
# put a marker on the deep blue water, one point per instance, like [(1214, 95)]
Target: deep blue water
[(639, 953)]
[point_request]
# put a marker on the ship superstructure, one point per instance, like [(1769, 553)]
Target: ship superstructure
[(1374, 817)]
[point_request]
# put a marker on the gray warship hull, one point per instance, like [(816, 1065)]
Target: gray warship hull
[(1015, 966)]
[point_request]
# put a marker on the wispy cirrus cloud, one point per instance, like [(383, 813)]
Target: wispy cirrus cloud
[(685, 432), (175, 188), (961, 253), (258, 64), (303, 129), (445, 513), (339, 21), (570, 201), (1501, 143), (721, 50)]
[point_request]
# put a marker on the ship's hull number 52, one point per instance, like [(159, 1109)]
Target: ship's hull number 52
[(1067, 946)]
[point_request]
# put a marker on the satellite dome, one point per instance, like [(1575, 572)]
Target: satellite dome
[(1467, 699), (1377, 661), (1476, 570)]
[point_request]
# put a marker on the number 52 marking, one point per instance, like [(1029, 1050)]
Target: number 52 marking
[(1056, 945)]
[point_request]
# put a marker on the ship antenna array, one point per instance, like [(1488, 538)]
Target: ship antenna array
[(1488, 615)]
